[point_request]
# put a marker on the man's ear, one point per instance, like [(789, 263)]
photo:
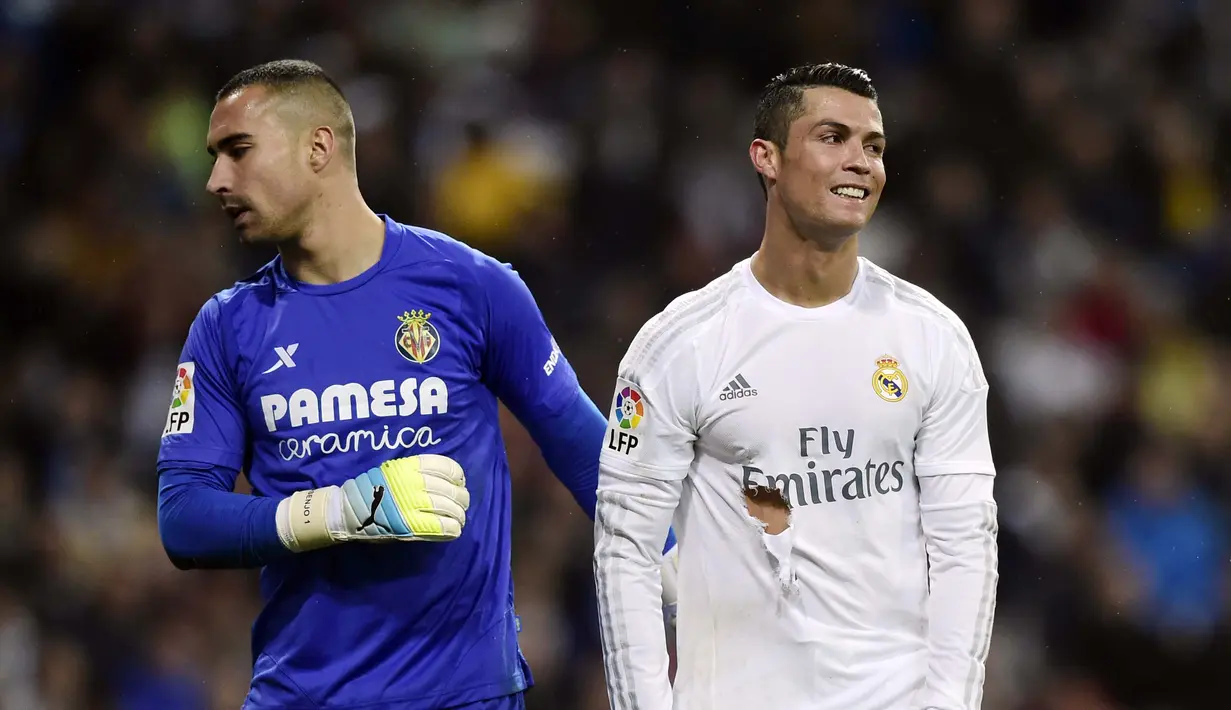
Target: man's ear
[(323, 148), (765, 158)]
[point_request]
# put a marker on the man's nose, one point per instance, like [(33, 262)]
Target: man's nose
[(219, 182), (858, 162)]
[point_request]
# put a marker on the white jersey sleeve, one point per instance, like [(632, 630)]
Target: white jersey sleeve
[(953, 436), (650, 428), (647, 454), (958, 515)]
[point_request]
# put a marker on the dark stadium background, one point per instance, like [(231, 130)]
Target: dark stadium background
[(1058, 174)]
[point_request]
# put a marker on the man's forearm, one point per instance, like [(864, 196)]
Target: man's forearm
[(570, 441), (962, 558), (205, 525), (632, 519)]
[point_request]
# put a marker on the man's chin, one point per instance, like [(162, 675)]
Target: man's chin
[(849, 222), (250, 234), (830, 232)]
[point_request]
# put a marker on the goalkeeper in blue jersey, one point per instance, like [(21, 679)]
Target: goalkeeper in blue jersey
[(355, 380)]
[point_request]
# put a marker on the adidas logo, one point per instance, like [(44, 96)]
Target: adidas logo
[(736, 389)]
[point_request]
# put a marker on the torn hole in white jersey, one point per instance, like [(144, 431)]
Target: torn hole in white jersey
[(771, 512), (768, 507)]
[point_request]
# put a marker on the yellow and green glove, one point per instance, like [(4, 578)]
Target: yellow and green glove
[(414, 499)]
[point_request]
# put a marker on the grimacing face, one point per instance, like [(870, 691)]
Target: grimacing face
[(261, 174), (832, 171)]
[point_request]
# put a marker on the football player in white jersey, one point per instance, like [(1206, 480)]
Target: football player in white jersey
[(865, 578)]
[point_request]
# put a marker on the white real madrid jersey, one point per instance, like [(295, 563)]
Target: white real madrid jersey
[(842, 408)]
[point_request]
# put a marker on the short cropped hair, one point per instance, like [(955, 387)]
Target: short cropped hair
[(782, 100), (307, 82)]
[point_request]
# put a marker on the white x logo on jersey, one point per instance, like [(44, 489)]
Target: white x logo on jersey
[(284, 357)]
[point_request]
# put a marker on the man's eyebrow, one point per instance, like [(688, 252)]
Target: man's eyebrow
[(227, 142), (845, 129)]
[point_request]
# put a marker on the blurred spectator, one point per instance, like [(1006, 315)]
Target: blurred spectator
[(484, 193), (1168, 547)]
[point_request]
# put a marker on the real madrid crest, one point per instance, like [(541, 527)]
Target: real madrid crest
[(417, 339), (889, 382)]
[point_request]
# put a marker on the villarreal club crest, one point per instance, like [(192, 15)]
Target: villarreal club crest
[(417, 339)]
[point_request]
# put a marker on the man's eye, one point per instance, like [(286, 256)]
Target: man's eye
[(877, 149), (238, 152), (830, 138)]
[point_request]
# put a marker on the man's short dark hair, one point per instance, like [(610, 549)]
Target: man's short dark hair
[(280, 75), (306, 81), (782, 100)]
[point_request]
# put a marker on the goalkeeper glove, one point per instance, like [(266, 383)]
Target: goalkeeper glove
[(419, 498)]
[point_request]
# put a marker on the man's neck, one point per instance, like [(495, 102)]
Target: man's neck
[(344, 238), (803, 273)]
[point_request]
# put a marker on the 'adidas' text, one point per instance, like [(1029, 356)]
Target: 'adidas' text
[(737, 389)]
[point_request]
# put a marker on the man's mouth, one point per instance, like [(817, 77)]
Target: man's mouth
[(851, 192), (235, 212)]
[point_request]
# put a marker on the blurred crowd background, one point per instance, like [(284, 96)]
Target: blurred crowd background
[(1058, 175)]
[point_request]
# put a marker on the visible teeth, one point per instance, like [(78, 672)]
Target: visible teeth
[(857, 192)]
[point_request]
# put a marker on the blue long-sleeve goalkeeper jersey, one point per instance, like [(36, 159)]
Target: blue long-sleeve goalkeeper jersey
[(304, 386)]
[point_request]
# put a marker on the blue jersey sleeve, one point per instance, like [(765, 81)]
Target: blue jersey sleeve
[(525, 368), (205, 423), (522, 364), (201, 521), (203, 524)]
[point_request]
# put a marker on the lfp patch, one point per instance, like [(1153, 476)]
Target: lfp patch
[(183, 401), (629, 408)]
